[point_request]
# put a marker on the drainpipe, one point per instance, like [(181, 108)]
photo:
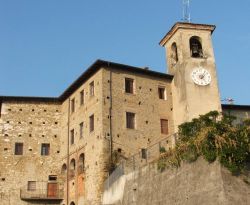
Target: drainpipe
[(68, 154)]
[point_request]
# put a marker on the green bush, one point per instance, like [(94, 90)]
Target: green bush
[(212, 136), (162, 149)]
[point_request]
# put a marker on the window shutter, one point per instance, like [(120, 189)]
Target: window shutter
[(130, 120), (131, 86), (164, 126), (31, 185)]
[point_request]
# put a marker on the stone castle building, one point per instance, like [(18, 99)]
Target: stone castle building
[(58, 150)]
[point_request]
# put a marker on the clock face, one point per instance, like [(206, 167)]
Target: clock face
[(201, 76)]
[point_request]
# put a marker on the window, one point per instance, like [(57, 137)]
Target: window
[(162, 93), (81, 163), (82, 97), (130, 120), (72, 164), (174, 54), (196, 47), (81, 129), (18, 148), (91, 89), (129, 85), (72, 167), (64, 169), (31, 186), (72, 137), (144, 153), (73, 105), (91, 123), (45, 149), (164, 126), (52, 177)]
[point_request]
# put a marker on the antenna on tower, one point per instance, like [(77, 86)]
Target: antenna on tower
[(186, 10)]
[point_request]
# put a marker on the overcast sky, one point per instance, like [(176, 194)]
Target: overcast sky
[(46, 44)]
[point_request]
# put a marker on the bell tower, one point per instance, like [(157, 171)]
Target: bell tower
[(190, 58)]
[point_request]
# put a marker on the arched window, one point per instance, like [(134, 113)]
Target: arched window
[(72, 167), (81, 163), (72, 164), (196, 47), (174, 53), (64, 168), (72, 203)]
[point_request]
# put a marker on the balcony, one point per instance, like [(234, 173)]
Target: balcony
[(41, 191)]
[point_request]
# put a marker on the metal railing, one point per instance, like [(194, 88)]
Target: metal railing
[(140, 159), (42, 191)]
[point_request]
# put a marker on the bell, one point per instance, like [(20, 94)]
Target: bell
[(195, 49)]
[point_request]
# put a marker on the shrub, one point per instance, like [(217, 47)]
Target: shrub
[(212, 136)]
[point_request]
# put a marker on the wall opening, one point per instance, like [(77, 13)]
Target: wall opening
[(130, 120), (64, 169), (31, 186), (91, 123), (52, 177), (164, 126), (81, 163), (129, 85), (72, 136), (92, 89), (174, 53), (18, 148), (45, 148), (72, 167), (196, 47)]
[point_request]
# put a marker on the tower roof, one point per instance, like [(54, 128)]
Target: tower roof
[(184, 25)]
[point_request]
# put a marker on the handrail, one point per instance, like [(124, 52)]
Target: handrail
[(42, 191)]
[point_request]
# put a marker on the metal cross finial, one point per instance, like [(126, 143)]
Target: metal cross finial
[(186, 11)]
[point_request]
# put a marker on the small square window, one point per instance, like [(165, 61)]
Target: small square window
[(130, 120), (72, 137), (52, 177), (82, 97), (92, 89), (91, 123), (31, 186), (81, 129), (73, 105), (129, 85), (162, 93), (18, 148), (164, 126), (45, 148)]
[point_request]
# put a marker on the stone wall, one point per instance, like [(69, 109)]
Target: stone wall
[(146, 105), (240, 114), (196, 183), (84, 188), (145, 102), (32, 124)]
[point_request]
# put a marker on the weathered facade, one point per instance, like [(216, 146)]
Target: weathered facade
[(58, 150)]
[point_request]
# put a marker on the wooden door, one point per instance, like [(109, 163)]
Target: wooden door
[(52, 190)]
